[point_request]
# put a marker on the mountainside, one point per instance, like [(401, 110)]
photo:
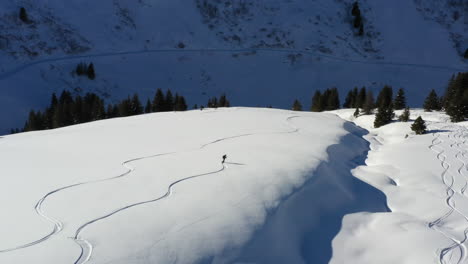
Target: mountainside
[(296, 187), (257, 52)]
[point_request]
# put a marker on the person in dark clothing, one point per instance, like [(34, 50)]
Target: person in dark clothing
[(224, 158)]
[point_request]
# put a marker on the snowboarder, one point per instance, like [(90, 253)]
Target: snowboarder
[(224, 158)]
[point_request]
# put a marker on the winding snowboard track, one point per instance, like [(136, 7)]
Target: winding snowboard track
[(20, 68), (87, 247), (457, 244)]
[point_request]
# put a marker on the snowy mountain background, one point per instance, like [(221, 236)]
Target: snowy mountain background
[(257, 52)]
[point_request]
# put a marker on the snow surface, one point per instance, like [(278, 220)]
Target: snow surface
[(424, 179), (152, 189)]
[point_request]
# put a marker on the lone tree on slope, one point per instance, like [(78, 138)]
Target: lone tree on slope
[(466, 54), (419, 126)]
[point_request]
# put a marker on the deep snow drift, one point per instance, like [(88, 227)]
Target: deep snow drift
[(425, 180), (152, 189)]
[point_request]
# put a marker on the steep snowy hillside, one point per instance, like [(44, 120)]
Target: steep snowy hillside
[(152, 189), (425, 180), (258, 52)]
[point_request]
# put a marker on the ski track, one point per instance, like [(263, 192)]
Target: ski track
[(447, 254), (86, 246), (58, 225), (20, 68)]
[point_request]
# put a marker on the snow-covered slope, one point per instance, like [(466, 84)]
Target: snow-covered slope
[(425, 179), (258, 52), (152, 189)]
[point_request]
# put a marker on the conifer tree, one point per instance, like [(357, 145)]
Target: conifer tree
[(349, 100), (361, 98), (49, 115), (168, 102), (361, 30), (419, 126), (384, 116), (112, 111), (23, 15), (355, 96), (125, 107), (369, 103), (90, 72), (456, 98), (333, 100), (148, 107), (400, 100), (356, 113), (81, 69), (466, 54), (356, 11), (297, 106), (182, 104), (223, 101), (316, 102), (385, 112), (385, 97), (136, 106), (158, 101), (431, 102), (404, 117), (80, 111)]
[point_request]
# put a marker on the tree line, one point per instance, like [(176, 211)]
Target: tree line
[(67, 109), (454, 102)]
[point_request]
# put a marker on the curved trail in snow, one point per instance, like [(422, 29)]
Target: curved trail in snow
[(58, 225), (20, 68), (87, 247), (449, 180)]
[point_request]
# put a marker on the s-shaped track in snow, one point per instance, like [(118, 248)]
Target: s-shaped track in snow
[(448, 179), (87, 247)]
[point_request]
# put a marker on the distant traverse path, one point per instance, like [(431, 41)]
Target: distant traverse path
[(20, 68)]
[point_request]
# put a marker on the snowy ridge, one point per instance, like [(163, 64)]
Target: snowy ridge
[(234, 218)]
